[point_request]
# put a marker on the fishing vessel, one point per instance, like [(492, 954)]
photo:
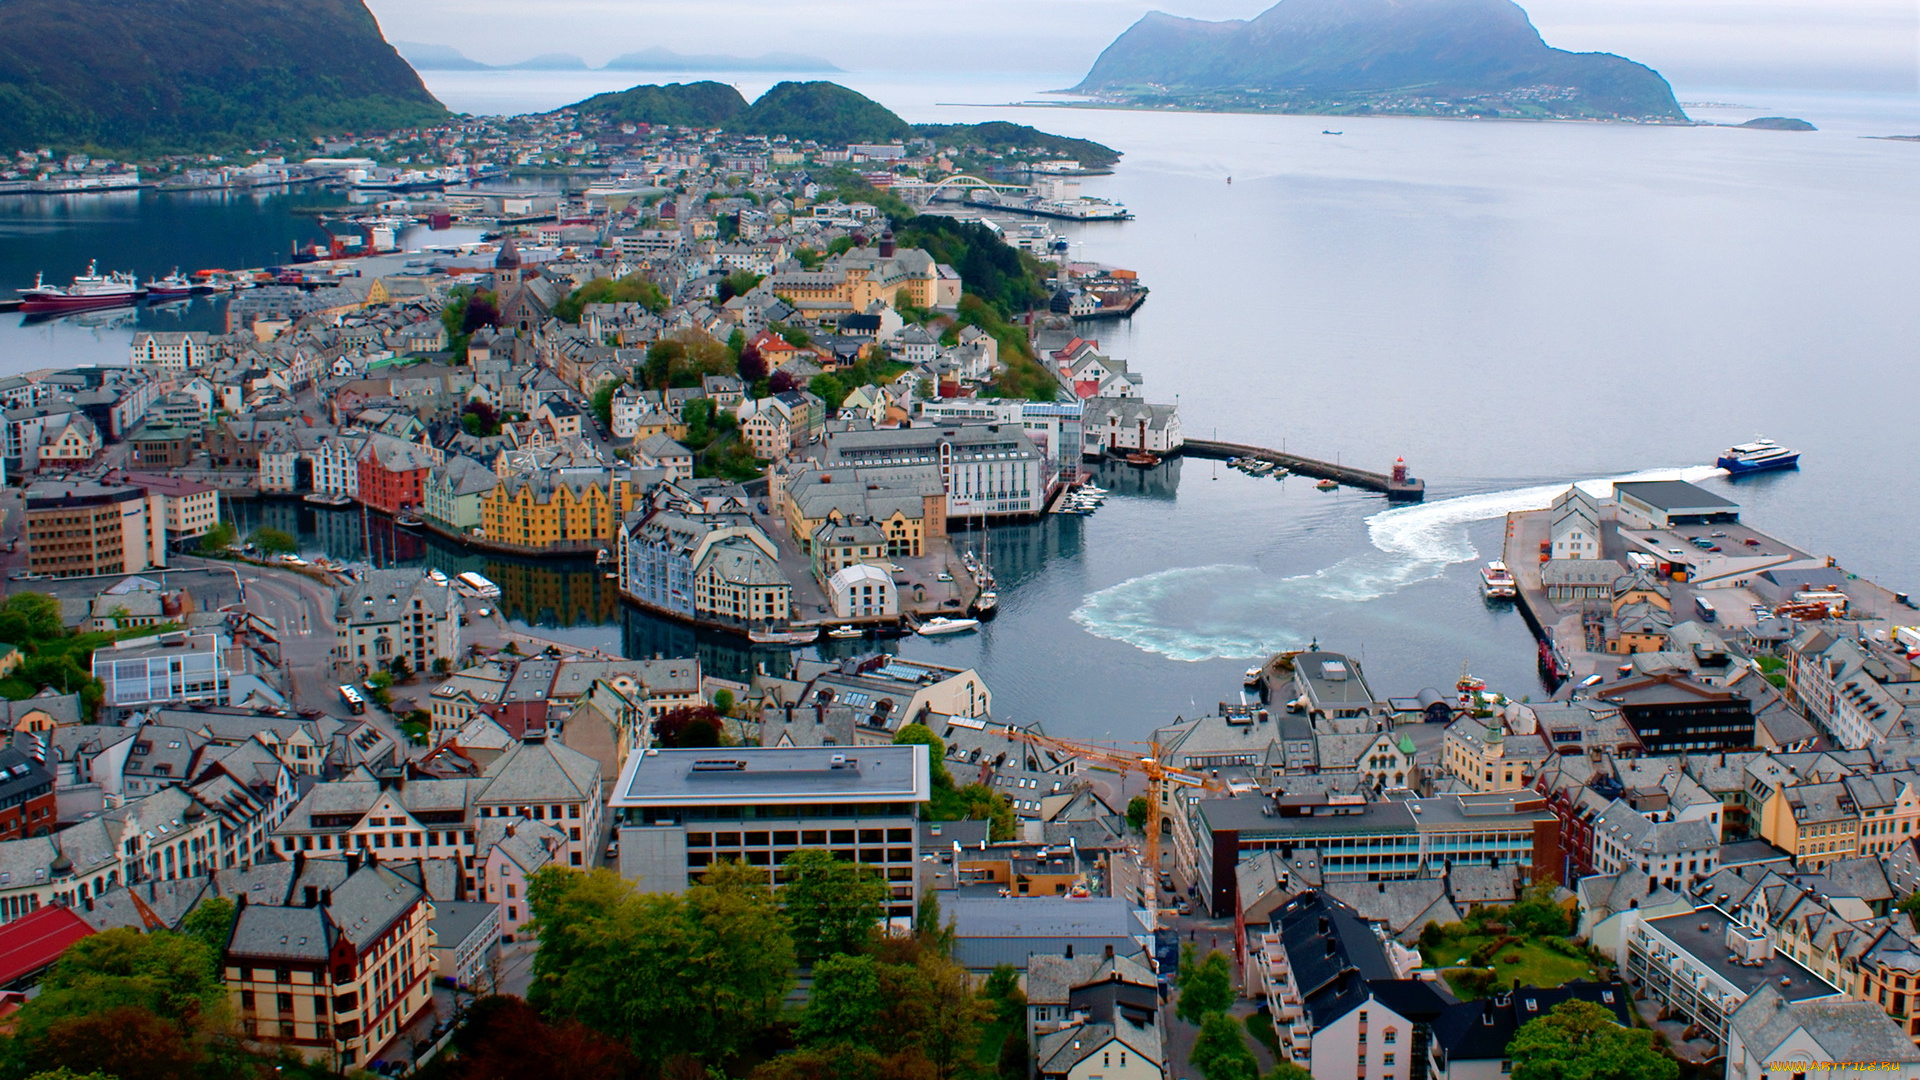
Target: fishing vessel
[(940, 625), (1759, 455), (173, 286), (1497, 583), (89, 290)]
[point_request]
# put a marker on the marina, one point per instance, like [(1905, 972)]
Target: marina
[(1398, 485)]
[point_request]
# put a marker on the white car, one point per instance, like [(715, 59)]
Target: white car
[(944, 576)]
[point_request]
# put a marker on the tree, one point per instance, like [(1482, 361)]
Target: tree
[(273, 541), (603, 400), (1287, 1070), (1220, 1050), (834, 906), (929, 928), (723, 701), (1579, 1040), (481, 311), (1206, 987), (210, 923), (505, 1037), (479, 419), (782, 381), (752, 366), (738, 283), (632, 289), (442, 665), (400, 666), (921, 735), (690, 727), (1137, 812), (828, 388), (124, 1041), (218, 539), (842, 1004), (1012, 1063), (31, 617)]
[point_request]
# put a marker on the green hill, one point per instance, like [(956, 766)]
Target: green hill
[(198, 74), (1000, 137), (1393, 56), (698, 105), (824, 112)]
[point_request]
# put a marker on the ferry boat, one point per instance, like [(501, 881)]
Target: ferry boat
[(89, 290), (1497, 583), (1759, 455), (940, 625)]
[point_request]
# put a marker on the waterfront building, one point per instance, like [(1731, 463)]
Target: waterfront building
[(397, 614), (1573, 526), (986, 471), (558, 508), (863, 591), (393, 473), (1663, 504), (455, 491), (335, 967), (680, 811), (908, 505), (1332, 687), (703, 566), (1122, 425)]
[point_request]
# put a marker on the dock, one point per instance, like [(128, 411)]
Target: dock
[(1397, 486)]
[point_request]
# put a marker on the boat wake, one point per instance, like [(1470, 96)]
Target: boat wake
[(1229, 611)]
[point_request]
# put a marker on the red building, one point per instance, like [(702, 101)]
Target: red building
[(30, 944), (26, 797), (393, 474)]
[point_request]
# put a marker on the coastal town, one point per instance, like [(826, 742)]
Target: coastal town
[(789, 393)]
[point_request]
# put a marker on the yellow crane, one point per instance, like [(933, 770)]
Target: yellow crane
[(1161, 779)]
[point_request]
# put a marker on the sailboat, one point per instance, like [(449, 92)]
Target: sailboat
[(985, 604)]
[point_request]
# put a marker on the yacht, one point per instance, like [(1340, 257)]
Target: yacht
[(1496, 582), (985, 604), (940, 625), (1758, 456)]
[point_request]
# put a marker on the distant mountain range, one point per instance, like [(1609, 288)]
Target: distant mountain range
[(1422, 57), (823, 112), (142, 75), (426, 57)]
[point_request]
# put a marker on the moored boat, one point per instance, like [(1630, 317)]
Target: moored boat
[(336, 501), (173, 286), (1759, 455), (1497, 583), (1328, 485), (783, 637), (89, 290), (986, 604), (845, 632), (1143, 460), (940, 625)]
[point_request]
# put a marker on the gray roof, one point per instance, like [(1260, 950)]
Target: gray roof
[(454, 921), (1848, 1031), (1673, 495), (731, 775)]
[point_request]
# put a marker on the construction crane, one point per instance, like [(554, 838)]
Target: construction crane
[(1160, 776)]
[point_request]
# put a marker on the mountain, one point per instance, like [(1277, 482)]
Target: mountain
[(658, 59), (424, 57), (822, 111), (198, 74), (697, 105), (548, 62), (1480, 57)]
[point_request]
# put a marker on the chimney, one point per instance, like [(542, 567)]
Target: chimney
[(310, 896), (353, 863), (326, 897), (886, 244), (1109, 952)]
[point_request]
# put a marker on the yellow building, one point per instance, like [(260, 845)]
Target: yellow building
[(853, 281), (558, 509), (1814, 823), (1476, 753), (337, 966)]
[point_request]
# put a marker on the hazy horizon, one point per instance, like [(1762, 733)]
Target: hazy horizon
[(1857, 45)]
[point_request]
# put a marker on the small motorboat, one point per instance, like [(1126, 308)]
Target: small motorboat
[(1328, 485), (1143, 460), (940, 625), (845, 632)]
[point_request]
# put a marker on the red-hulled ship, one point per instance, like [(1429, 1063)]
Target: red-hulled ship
[(90, 290)]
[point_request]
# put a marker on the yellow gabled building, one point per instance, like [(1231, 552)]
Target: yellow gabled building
[(558, 509)]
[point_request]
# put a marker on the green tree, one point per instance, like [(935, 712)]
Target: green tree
[(662, 357), (210, 923), (173, 977), (842, 1003), (736, 341), (920, 734), (632, 289), (64, 1073), (218, 539), (828, 388), (1579, 1040), (31, 617), (273, 541), (603, 400), (1137, 811), (929, 928), (1220, 1051), (723, 701), (1206, 987), (833, 905), (1287, 1070)]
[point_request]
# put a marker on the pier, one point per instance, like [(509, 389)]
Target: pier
[(1397, 486)]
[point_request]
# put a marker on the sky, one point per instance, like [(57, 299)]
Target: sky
[(1827, 45)]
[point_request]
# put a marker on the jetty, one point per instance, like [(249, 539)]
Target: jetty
[(1397, 486)]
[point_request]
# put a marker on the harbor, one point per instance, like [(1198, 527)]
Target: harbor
[(1397, 485)]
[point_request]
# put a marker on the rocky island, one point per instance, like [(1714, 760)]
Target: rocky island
[(1458, 58)]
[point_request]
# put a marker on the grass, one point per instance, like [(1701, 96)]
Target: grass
[(986, 1052), (1260, 1026), (1535, 964)]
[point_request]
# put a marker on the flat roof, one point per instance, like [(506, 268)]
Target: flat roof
[(732, 776), (1702, 932), (1673, 495)]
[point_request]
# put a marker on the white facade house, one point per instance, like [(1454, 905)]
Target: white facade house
[(171, 351), (1573, 526), (1127, 425), (863, 591)]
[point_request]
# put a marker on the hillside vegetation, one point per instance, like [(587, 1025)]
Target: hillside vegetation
[(698, 105), (198, 74)]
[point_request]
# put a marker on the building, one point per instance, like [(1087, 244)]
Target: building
[(80, 529), (558, 509), (1704, 964), (1470, 1038), (180, 509), (454, 492), (397, 614), (393, 474), (180, 667), (27, 806), (1768, 1029), (1332, 686), (1671, 713), (1014, 930), (74, 446), (466, 937), (985, 470), (161, 445), (662, 452), (679, 811), (1663, 504), (1122, 425), (863, 591), (1573, 526), (337, 965), (175, 352), (35, 942)]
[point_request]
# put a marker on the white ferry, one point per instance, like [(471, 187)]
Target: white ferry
[(1759, 455), (1497, 583)]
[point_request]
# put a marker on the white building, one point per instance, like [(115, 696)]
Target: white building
[(863, 591), (397, 613), (1573, 526), (171, 351), (1823, 1038)]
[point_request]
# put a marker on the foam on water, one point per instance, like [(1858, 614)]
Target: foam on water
[(1228, 611)]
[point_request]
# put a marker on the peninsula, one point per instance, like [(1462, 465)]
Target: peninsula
[(1456, 58)]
